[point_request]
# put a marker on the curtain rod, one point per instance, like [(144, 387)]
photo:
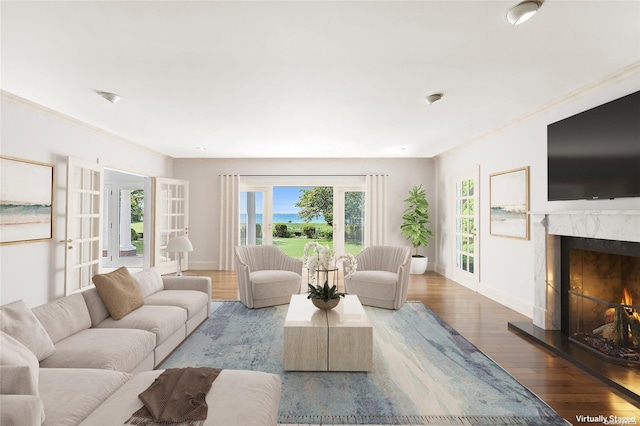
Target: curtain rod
[(243, 175)]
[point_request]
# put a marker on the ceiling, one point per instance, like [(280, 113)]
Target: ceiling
[(297, 79)]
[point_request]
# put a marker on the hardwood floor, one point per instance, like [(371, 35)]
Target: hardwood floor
[(566, 388)]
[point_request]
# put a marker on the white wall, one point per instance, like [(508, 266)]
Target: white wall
[(204, 192), (34, 272), (506, 265)]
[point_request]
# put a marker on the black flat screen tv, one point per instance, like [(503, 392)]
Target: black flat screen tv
[(596, 154)]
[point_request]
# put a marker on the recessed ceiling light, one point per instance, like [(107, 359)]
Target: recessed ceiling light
[(522, 11), (433, 98), (111, 97)]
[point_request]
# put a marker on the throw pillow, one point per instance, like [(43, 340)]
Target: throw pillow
[(19, 322), (119, 292)]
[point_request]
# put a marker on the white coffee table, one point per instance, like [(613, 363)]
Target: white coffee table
[(337, 340)]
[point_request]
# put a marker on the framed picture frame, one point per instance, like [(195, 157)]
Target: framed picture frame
[(26, 201), (509, 203)]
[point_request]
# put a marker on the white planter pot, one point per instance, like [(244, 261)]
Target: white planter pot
[(418, 265)]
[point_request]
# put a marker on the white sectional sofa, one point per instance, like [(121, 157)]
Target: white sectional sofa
[(69, 362)]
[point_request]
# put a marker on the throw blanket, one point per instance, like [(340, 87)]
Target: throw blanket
[(176, 397)]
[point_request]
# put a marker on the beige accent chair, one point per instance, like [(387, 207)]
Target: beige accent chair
[(382, 276), (266, 276)]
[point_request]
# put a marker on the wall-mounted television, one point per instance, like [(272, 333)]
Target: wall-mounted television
[(596, 154)]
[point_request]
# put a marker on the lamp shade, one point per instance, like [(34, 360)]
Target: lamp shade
[(179, 244)]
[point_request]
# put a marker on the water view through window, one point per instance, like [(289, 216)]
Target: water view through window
[(301, 214)]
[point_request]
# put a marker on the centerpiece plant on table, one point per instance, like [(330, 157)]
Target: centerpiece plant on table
[(319, 258)]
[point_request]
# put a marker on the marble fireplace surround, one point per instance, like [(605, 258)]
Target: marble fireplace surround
[(548, 228)]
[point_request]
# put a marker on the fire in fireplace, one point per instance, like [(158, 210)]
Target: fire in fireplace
[(601, 312)]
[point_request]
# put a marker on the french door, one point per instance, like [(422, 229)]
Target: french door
[(466, 244), (348, 216), (171, 219), (84, 223)]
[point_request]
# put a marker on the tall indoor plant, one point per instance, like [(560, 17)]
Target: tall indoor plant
[(414, 226)]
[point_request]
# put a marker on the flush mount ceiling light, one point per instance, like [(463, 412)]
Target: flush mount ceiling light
[(111, 97), (522, 11), (433, 98), (201, 148)]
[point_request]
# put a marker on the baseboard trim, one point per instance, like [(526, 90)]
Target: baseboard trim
[(507, 300), (202, 265)]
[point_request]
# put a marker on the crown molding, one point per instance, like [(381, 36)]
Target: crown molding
[(622, 74), (10, 97)]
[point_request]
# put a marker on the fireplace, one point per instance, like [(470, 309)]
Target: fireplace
[(569, 315), (600, 281)]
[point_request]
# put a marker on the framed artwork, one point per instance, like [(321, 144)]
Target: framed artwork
[(26, 201), (509, 200)]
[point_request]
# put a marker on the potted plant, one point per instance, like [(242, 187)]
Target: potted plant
[(414, 226), (318, 258), (324, 297)]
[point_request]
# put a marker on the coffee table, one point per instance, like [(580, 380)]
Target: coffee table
[(337, 340)]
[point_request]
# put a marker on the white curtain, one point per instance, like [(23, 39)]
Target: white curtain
[(229, 221), (375, 210)]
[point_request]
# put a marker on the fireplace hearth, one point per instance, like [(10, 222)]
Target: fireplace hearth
[(571, 314)]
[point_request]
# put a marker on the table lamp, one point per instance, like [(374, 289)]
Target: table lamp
[(179, 244)]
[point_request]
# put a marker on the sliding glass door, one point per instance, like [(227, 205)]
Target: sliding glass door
[(290, 216)]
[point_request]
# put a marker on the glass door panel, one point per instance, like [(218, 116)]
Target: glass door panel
[(353, 222), (84, 223), (466, 220), (171, 220)]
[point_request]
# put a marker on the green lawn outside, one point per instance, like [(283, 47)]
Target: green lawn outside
[(294, 247), (139, 228), (139, 245)]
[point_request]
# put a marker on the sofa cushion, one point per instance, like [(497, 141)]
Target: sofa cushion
[(96, 307), (18, 321), (18, 373), (119, 292), (236, 398), (70, 395), (108, 349), (192, 301), (64, 317), (163, 321), (149, 281)]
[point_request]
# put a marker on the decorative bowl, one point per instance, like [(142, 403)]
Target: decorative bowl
[(325, 306)]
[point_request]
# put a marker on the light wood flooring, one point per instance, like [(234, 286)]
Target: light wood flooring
[(567, 389)]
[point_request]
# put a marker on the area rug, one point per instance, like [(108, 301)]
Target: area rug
[(424, 372)]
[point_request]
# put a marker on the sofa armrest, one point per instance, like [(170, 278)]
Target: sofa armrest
[(18, 380), (21, 410), (172, 282)]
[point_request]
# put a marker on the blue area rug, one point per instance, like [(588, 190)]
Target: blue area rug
[(424, 372)]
